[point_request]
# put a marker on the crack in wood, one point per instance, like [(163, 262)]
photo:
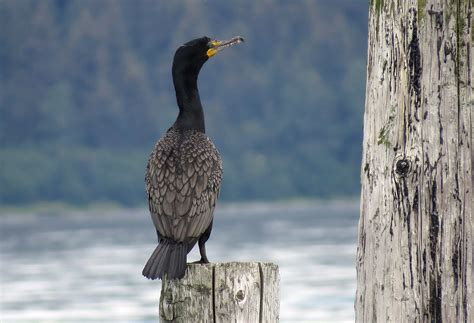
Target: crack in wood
[(260, 270)]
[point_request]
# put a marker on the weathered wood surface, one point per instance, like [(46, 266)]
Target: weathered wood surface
[(415, 253), (223, 292)]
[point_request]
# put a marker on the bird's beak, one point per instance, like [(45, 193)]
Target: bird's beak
[(218, 45)]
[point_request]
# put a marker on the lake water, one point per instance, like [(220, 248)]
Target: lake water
[(86, 266)]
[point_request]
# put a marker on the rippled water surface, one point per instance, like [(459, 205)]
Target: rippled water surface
[(87, 265)]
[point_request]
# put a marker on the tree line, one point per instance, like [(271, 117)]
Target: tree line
[(86, 90)]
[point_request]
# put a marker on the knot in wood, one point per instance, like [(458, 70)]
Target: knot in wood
[(402, 167), (240, 296)]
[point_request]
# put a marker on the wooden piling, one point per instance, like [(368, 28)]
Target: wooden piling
[(416, 235), (223, 292)]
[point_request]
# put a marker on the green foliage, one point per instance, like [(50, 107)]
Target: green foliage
[(86, 90), (75, 176)]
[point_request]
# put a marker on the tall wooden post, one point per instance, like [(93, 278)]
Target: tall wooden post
[(239, 292), (415, 253)]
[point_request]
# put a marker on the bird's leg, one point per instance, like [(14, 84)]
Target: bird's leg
[(202, 246), (202, 251)]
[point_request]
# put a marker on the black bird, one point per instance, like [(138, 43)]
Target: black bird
[(184, 170)]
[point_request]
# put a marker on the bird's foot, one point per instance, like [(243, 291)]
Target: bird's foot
[(201, 261)]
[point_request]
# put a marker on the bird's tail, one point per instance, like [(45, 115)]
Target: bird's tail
[(168, 258)]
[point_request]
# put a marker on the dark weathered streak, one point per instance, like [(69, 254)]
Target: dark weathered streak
[(414, 63), (435, 308)]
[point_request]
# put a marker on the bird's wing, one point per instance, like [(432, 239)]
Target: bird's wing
[(183, 182)]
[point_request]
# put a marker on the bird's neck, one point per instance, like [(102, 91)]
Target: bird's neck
[(191, 115)]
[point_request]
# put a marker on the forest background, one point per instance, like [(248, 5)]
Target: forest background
[(86, 90)]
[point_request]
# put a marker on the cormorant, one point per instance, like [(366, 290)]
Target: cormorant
[(184, 170)]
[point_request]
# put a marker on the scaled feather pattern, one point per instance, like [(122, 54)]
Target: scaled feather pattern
[(183, 180)]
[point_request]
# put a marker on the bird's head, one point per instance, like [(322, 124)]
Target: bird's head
[(191, 56)]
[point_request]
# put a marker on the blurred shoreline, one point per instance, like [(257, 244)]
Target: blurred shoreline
[(60, 208)]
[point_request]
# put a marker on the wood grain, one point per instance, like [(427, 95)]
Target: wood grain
[(415, 249), (223, 292)]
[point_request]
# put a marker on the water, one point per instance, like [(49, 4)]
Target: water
[(87, 265)]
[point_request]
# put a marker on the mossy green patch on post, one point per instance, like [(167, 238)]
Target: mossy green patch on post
[(202, 288), (421, 9), (461, 21), (382, 138), (462, 18), (450, 11), (377, 4)]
